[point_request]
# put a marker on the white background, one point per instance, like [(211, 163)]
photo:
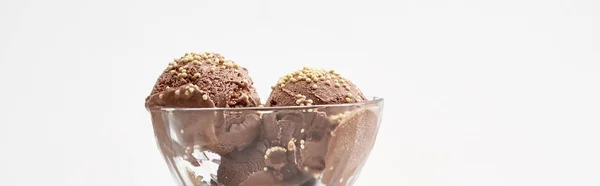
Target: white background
[(478, 93)]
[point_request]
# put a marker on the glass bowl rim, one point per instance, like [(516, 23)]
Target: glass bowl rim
[(371, 101)]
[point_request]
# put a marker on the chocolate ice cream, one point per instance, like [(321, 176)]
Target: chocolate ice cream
[(207, 80), (310, 86), (301, 146), (203, 80), (352, 141)]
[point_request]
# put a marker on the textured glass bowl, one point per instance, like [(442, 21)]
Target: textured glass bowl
[(299, 145)]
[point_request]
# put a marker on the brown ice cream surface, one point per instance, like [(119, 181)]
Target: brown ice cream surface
[(237, 166), (296, 147), (209, 77), (310, 86), (352, 141), (282, 148), (206, 80)]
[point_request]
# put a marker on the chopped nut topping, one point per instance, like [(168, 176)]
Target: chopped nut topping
[(291, 145)]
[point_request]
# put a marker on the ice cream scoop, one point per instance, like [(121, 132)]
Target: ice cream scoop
[(207, 80), (311, 86), (203, 80)]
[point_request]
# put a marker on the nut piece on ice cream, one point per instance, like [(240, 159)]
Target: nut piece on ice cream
[(206, 80), (310, 86)]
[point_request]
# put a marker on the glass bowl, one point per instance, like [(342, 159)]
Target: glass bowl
[(296, 145)]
